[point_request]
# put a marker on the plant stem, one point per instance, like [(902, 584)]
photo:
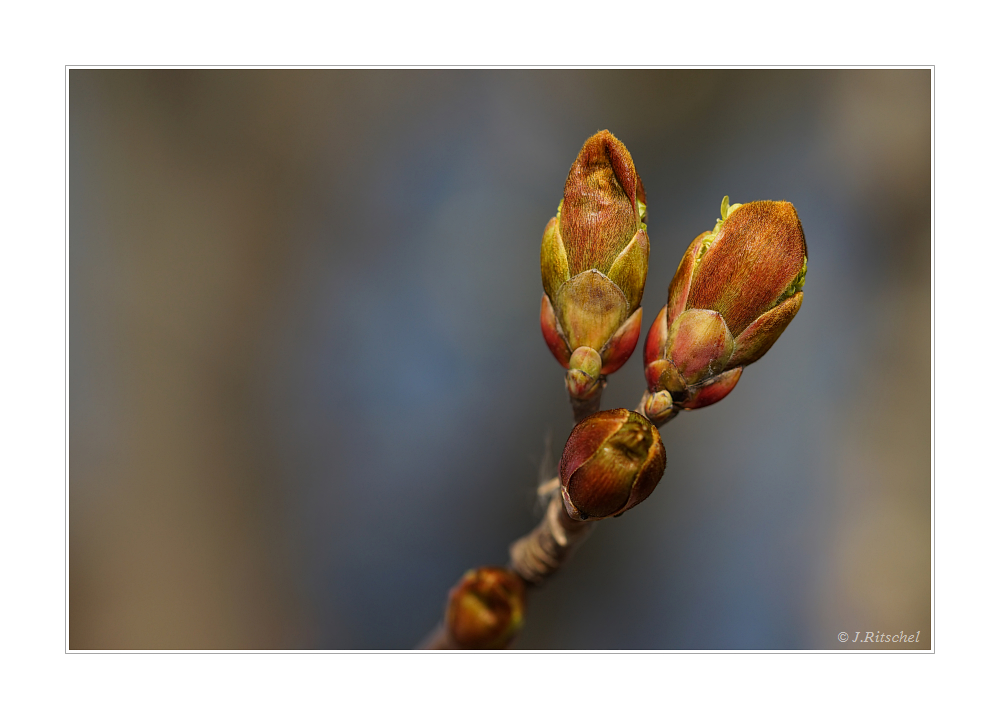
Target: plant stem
[(440, 638), (535, 556), (539, 554), (583, 408)]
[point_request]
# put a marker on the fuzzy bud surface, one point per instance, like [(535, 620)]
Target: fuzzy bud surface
[(736, 290), (594, 258)]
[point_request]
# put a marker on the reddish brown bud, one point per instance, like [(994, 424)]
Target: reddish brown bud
[(757, 255), (735, 291), (612, 461), (485, 609), (595, 255), (599, 215)]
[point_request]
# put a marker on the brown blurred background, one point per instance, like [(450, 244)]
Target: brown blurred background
[(308, 388)]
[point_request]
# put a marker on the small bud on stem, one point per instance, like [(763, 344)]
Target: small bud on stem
[(612, 461), (485, 611)]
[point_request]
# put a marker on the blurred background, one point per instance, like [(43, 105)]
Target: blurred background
[(308, 388)]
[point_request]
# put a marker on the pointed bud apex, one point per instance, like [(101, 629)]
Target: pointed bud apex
[(485, 609), (599, 213), (595, 254), (611, 462), (735, 291)]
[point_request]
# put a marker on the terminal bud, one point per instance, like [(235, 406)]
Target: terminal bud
[(594, 258)]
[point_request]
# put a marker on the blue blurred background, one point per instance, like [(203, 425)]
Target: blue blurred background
[(308, 388)]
